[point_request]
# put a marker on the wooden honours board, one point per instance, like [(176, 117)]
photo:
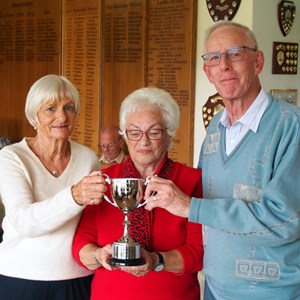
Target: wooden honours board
[(171, 62), (108, 49), (82, 62), (151, 43), (30, 47), (124, 29)]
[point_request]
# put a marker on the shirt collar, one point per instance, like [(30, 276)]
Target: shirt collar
[(252, 116), (117, 159)]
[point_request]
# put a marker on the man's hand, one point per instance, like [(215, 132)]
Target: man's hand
[(165, 194)]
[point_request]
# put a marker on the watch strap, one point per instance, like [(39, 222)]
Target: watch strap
[(161, 263)]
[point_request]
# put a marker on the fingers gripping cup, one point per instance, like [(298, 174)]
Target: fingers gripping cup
[(127, 194)]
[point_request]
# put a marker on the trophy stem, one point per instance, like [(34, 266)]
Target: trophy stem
[(126, 236), (127, 194)]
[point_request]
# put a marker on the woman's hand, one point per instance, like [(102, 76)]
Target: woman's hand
[(173, 262), (151, 260), (89, 190), (94, 257)]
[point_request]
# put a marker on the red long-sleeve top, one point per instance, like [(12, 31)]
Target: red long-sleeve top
[(102, 224)]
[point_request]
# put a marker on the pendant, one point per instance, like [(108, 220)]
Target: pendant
[(54, 172)]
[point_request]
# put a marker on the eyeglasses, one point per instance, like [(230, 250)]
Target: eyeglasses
[(152, 134), (109, 146), (233, 54)]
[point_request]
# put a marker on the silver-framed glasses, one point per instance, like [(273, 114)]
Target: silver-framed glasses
[(212, 59)]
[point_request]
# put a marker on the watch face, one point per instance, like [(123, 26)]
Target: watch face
[(161, 263), (159, 267), (286, 16), (222, 9)]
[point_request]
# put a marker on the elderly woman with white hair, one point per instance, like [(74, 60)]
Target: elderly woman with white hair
[(44, 193), (171, 246)]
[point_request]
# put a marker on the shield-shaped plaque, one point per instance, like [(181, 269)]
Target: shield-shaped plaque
[(222, 9), (212, 106), (286, 15)]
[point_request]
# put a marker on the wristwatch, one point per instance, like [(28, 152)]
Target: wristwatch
[(161, 263)]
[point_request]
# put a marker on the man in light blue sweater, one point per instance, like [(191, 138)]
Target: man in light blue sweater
[(250, 160)]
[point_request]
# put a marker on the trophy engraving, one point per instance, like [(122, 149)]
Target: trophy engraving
[(127, 194)]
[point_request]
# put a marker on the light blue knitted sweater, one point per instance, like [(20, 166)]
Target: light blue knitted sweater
[(251, 206)]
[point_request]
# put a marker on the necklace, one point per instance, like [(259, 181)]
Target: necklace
[(54, 171), (48, 163)]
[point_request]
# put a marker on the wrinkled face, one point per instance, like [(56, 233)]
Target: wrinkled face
[(147, 152), (233, 80), (56, 119), (110, 145)]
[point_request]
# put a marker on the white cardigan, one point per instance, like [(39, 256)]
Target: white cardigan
[(40, 214)]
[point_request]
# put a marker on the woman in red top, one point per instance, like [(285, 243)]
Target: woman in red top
[(149, 118)]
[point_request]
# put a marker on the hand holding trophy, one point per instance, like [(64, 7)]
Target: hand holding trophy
[(127, 194)]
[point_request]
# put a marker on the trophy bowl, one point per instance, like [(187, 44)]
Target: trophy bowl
[(127, 194)]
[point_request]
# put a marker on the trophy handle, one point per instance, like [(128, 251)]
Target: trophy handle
[(153, 193), (108, 180), (147, 180), (141, 204)]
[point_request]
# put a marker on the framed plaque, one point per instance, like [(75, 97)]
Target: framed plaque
[(285, 58), (289, 95)]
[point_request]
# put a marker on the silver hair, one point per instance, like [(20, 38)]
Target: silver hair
[(112, 130), (151, 97), (249, 33), (46, 90)]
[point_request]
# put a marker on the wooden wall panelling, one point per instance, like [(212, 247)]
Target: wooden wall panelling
[(171, 64), (107, 49), (124, 53), (29, 49), (151, 43), (82, 63)]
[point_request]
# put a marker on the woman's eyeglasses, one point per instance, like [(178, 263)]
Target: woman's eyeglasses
[(152, 134), (212, 59)]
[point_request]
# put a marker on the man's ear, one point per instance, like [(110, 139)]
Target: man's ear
[(259, 62), (121, 143), (207, 72)]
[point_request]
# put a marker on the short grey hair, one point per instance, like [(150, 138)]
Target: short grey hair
[(46, 90), (249, 33), (151, 97)]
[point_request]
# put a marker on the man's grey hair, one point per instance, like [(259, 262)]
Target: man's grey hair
[(249, 33)]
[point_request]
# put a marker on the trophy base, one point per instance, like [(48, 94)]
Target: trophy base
[(126, 262), (126, 254)]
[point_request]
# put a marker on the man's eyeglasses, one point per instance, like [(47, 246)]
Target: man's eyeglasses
[(108, 146), (152, 134), (233, 54)]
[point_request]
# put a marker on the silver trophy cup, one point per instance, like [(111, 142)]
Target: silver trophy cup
[(127, 194)]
